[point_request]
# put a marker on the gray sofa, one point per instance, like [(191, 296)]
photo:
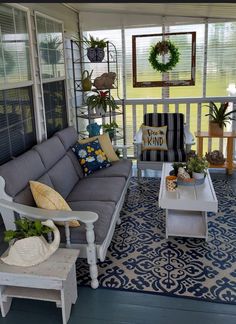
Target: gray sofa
[(95, 200)]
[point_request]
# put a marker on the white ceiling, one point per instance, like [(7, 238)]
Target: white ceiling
[(206, 10)]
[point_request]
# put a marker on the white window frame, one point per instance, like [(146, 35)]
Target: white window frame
[(63, 78)]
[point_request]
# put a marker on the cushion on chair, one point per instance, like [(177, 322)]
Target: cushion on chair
[(175, 127), (154, 138), (164, 156)]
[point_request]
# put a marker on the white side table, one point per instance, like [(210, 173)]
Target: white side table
[(52, 280)]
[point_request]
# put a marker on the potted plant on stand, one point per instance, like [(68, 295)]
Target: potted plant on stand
[(95, 50), (197, 166), (219, 117), (110, 129), (101, 101)]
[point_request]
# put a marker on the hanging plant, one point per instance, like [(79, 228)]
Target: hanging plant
[(163, 48)]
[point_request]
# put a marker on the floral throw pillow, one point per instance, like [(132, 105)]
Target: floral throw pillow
[(91, 157)]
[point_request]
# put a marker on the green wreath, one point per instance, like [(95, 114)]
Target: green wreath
[(162, 48)]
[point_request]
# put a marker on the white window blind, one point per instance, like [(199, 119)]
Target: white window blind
[(183, 65), (14, 46), (221, 67)]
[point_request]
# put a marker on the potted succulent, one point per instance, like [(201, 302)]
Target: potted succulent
[(197, 166), (27, 243), (101, 101), (110, 129), (95, 50), (219, 117)]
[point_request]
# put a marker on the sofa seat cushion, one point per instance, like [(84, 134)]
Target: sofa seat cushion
[(99, 189), (177, 155), (121, 168), (104, 210)]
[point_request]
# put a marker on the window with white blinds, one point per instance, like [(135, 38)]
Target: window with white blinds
[(50, 44), (221, 56), (14, 46), (17, 123)]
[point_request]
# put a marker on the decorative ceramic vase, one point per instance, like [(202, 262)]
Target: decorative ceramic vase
[(33, 250), (100, 111), (100, 53), (92, 54), (171, 183), (198, 176), (215, 129)]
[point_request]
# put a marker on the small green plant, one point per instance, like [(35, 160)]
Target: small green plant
[(110, 129), (197, 164), (101, 99), (219, 114), (94, 42), (26, 228)]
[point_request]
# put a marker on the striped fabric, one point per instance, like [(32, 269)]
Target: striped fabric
[(177, 155), (175, 127), (175, 137)]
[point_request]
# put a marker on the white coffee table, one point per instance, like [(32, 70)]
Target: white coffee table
[(187, 207)]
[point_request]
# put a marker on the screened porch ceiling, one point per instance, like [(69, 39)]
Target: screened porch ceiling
[(207, 10)]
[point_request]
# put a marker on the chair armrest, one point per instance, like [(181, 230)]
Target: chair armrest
[(86, 217), (137, 150)]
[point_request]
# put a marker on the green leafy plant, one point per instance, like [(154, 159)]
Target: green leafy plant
[(26, 228), (110, 129), (101, 99), (197, 164), (219, 114), (94, 42)]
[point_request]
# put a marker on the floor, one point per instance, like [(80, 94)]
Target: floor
[(103, 306)]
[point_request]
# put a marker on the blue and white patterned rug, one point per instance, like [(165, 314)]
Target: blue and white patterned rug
[(141, 259)]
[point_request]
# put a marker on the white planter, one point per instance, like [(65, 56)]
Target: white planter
[(198, 176)]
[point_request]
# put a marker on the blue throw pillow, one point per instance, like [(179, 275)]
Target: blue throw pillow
[(91, 157)]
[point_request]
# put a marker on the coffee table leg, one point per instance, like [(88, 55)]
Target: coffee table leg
[(166, 223), (206, 224)]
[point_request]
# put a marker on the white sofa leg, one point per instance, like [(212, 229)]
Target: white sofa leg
[(118, 222), (91, 256)]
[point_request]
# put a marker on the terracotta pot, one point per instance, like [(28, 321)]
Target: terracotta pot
[(215, 129)]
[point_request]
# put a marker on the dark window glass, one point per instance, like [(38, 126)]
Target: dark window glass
[(17, 125), (55, 106)]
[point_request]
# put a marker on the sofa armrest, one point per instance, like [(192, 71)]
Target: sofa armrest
[(86, 217)]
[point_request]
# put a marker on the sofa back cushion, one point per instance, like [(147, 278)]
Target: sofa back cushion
[(67, 136), (175, 127), (19, 171), (50, 151), (63, 176)]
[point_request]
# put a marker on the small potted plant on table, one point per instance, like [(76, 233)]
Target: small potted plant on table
[(197, 166)]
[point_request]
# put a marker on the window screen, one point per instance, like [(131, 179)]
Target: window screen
[(14, 46), (55, 106), (17, 127)]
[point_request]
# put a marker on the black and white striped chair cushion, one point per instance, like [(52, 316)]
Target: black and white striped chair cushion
[(178, 155), (175, 127)]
